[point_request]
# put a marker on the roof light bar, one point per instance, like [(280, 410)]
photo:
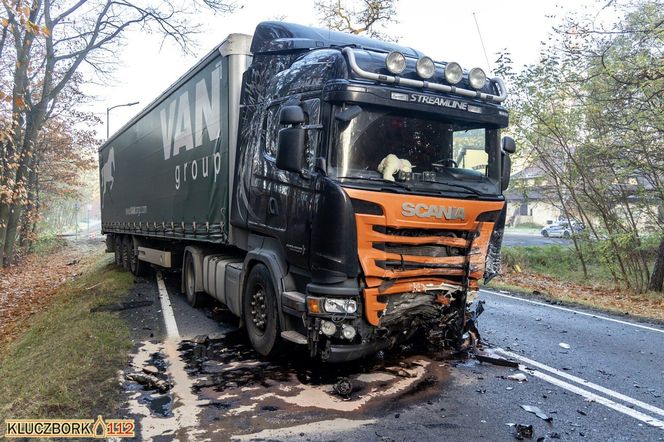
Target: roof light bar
[(352, 62)]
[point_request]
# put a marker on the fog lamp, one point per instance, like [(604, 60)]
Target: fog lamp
[(333, 305), (453, 72), (328, 328), (425, 67), (477, 78), (348, 331), (395, 62)]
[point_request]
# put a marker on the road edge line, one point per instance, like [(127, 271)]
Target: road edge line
[(167, 311), (607, 391), (647, 419)]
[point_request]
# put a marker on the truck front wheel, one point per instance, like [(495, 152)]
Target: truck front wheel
[(259, 305)]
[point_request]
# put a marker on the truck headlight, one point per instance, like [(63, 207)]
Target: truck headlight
[(348, 331), (477, 78), (395, 62), (425, 67), (333, 305), (328, 328), (453, 72)]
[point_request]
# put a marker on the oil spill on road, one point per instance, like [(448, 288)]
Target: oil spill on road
[(232, 380)]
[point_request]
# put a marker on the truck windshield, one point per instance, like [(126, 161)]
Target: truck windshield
[(438, 151)]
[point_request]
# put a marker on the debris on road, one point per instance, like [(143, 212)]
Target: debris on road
[(495, 360), (519, 377), (537, 412), (200, 339), (565, 346), (343, 388), (523, 431), (151, 370), (149, 381)]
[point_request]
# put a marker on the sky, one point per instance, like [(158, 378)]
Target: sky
[(444, 30)]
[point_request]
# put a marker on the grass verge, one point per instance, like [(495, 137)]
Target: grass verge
[(65, 364)]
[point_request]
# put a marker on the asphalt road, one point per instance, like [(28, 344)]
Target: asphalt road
[(608, 385), (520, 238)]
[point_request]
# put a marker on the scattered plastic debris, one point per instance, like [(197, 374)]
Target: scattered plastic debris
[(565, 346), (151, 370), (149, 381), (522, 431), (519, 377), (537, 412), (492, 359)]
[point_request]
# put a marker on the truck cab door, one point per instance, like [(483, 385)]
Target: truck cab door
[(283, 199), (300, 200)]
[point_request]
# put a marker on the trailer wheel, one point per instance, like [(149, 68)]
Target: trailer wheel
[(126, 252), (194, 298), (117, 249), (136, 266), (260, 311)]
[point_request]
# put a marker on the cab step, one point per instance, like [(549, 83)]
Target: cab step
[(293, 336)]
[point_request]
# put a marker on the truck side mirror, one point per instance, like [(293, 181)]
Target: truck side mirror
[(506, 167), (290, 149), (291, 115), (509, 145)]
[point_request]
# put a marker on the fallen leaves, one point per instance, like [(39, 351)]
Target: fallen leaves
[(648, 305), (26, 289)]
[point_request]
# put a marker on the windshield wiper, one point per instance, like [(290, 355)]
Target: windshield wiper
[(475, 191), (375, 180)]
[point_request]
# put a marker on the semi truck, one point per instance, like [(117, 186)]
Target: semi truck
[(333, 191)]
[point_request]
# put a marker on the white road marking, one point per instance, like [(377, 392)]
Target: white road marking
[(169, 318), (588, 394), (587, 384), (565, 309)]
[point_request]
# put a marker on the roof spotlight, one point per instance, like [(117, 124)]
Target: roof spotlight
[(425, 67), (453, 72), (477, 78), (395, 62)]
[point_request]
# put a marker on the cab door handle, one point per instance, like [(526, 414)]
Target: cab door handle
[(272, 206)]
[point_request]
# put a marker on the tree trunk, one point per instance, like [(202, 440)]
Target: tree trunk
[(657, 277)]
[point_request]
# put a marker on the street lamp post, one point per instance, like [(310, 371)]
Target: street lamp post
[(108, 114)]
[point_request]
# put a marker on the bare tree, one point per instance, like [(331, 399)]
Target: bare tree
[(368, 17), (43, 45)]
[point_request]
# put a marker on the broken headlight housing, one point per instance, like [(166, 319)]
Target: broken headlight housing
[(334, 305)]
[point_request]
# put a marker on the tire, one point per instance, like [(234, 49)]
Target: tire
[(194, 298), (136, 266), (117, 249), (566, 235), (545, 234), (126, 251), (261, 318)]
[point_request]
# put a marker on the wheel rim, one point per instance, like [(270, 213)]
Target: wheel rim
[(259, 309)]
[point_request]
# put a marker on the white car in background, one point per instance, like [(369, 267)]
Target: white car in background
[(561, 229)]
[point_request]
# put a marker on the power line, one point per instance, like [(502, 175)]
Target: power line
[(482, 41)]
